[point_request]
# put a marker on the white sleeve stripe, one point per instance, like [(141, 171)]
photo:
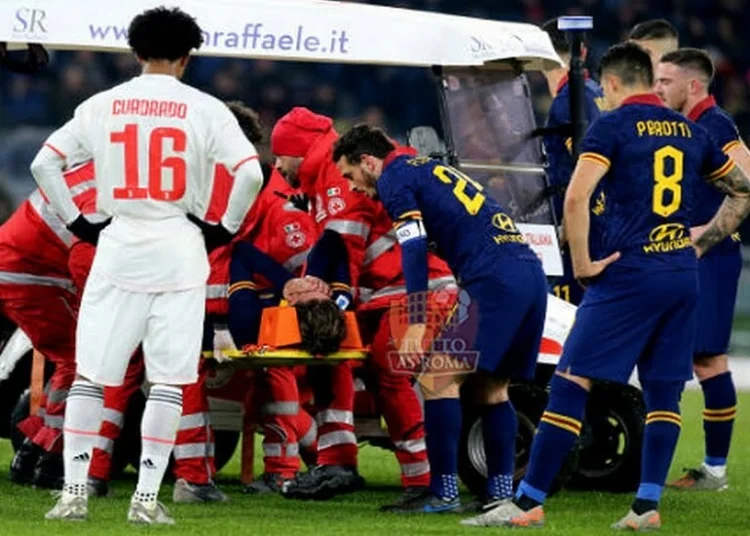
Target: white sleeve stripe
[(411, 231), (348, 227)]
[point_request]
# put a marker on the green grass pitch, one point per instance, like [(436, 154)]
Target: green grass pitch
[(22, 509)]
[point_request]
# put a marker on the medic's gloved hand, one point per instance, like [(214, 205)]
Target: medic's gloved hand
[(86, 230), (215, 235), (222, 341), (299, 201)]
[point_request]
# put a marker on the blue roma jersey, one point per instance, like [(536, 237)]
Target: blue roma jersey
[(655, 160), (558, 148), (723, 131), (472, 232)]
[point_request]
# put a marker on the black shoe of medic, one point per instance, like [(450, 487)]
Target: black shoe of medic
[(267, 483), (24, 461), (49, 472), (188, 492), (215, 235), (86, 230), (323, 482), (427, 503), (96, 487), (410, 494)]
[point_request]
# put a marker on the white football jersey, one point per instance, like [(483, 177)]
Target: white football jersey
[(155, 142)]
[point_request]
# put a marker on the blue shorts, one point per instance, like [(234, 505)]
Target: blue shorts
[(566, 287), (510, 309), (627, 320), (718, 278)]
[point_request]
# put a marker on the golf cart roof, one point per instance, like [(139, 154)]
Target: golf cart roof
[(294, 30)]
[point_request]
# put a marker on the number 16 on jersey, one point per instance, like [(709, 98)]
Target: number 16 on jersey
[(160, 139)]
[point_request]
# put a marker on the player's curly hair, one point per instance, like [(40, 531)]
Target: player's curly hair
[(248, 119), (321, 326), (164, 34), (361, 140), (629, 62)]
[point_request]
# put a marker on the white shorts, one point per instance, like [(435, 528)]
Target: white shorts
[(112, 322)]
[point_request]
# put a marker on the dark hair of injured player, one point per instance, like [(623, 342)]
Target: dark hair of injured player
[(164, 34), (321, 326), (361, 140), (629, 62)]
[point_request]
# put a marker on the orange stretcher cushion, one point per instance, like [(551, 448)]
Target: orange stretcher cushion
[(279, 329)]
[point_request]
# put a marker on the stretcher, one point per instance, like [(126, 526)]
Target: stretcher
[(279, 339), (254, 356)]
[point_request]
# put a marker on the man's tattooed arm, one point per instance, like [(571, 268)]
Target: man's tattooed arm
[(731, 213)]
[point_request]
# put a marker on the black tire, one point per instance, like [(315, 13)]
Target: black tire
[(610, 452), (19, 413), (530, 402)]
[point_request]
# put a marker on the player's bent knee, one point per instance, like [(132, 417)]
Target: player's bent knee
[(708, 366), (662, 395), (578, 380), (486, 389)]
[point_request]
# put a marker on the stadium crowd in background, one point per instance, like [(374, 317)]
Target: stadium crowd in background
[(377, 95), (385, 97)]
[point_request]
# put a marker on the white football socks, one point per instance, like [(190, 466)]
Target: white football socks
[(161, 419), (716, 471), (82, 421)]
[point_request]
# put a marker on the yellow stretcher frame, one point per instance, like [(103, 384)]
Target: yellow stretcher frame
[(286, 357)]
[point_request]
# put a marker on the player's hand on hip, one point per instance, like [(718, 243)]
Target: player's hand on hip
[(594, 268), (215, 235), (86, 230), (695, 234)]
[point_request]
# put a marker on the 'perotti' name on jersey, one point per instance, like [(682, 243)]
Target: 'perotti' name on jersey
[(663, 128), (149, 107)]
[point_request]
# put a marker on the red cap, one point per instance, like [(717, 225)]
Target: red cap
[(294, 134)]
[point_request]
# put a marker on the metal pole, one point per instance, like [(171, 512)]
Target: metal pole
[(450, 149), (576, 26)]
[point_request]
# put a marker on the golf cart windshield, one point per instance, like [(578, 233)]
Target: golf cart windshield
[(490, 120)]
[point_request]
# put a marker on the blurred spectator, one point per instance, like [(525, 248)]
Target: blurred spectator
[(397, 98), (74, 87), (24, 102)]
